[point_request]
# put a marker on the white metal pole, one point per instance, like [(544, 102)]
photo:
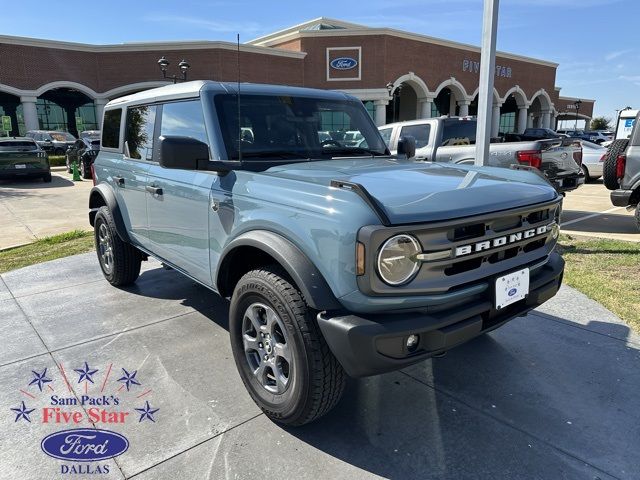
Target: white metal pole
[(487, 74)]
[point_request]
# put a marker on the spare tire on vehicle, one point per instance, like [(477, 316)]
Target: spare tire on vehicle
[(609, 175)]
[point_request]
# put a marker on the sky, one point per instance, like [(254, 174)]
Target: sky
[(592, 40)]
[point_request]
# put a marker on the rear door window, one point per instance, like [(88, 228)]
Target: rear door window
[(386, 135), (419, 132), (111, 128), (139, 132)]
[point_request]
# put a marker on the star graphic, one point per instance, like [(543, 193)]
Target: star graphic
[(128, 378), (22, 412), (146, 412), (85, 374), (39, 378)]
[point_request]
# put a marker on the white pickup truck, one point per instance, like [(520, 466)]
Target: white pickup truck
[(452, 139)]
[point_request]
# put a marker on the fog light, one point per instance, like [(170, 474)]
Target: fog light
[(412, 342)]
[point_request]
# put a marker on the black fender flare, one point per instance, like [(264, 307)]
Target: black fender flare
[(103, 194), (300, 268)]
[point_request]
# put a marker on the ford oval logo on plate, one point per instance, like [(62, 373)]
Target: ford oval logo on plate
[(343, 63), (512, 292), (84, 445)]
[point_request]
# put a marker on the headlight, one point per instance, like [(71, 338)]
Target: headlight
[(397, 263)]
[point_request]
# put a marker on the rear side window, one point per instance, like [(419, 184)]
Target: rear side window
[(184, 119), (111, 128), (139, 132), (458, 132), (386, 135), (419, 132)]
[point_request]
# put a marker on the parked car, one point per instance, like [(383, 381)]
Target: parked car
[(22, 157), (53, 142), (621, 171), (90, 134), (452, 139), (337, 259), (83, 152), (593, 156), (588, 135), (532, 134)]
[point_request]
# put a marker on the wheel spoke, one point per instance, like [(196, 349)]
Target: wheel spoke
[(282, 350), (254, 318), (281, 382), (251, 343), (272, 321)]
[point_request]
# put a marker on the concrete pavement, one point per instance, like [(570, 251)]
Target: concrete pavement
[(31, 209), (551, 395)]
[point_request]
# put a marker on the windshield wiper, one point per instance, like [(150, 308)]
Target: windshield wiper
[(280, 154), (351, 151)]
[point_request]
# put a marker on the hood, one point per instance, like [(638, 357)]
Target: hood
[(411, 192)]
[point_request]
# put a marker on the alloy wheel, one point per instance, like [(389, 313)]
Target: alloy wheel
[(105, 248)]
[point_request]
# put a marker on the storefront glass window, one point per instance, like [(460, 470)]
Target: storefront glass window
[(507, 122)]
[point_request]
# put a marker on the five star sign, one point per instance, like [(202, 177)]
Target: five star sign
[(39, 379), (128, 378), (86, 373), (23, 412), (147, 412)]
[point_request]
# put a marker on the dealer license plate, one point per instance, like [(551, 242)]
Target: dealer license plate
[(20, 165), (512, 288)]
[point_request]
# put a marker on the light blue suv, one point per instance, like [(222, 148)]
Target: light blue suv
[(338, 258)]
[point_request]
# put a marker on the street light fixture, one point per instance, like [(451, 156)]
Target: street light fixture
[(577, 104), (163, 63)]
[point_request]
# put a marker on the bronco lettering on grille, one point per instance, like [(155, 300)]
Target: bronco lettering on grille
[(504, 240)]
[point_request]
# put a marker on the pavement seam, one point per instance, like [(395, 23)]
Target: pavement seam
[(196, 445), (56, 289), (509, 425), (569, 323), (20, 221)]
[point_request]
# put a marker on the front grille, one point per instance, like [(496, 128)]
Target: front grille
[(467, 267)]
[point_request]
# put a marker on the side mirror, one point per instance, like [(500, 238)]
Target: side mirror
[(407, 146), (187, 153)]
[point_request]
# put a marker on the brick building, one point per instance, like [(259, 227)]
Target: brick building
[(398, 75)]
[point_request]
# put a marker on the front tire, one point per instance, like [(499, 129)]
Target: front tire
[(120, 261), (282, 357), (46, 178), (84, 171)]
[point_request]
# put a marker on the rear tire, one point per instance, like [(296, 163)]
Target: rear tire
[(84, 171), (280, 353), (587, 178), (69, 170), (120, 261), (46, 178), (609, 175)]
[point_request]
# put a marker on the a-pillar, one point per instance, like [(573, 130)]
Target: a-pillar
[(30, 113), (522, 119), (546, 119), (464, 108), (99, 105), (380, 115), (425, 105), (495, 120)]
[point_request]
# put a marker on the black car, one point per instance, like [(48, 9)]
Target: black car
[(84, 152), (532, 134)]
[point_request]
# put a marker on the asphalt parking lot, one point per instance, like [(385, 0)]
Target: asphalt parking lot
[(551, 395)]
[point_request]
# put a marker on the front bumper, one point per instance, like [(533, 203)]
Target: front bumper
[(373, 344), (621, 198)]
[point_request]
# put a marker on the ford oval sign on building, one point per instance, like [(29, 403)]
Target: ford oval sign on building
[(84, 445), (344, 63)]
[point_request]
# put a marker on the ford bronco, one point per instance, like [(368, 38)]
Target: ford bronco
[(338, 259)]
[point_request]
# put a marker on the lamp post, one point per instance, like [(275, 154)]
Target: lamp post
[(163, 63), (395, 94), (577, 104)]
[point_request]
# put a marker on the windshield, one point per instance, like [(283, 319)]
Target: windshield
[(286, 127), (17, 145), (62, 136)]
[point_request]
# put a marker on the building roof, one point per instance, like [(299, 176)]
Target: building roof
[(323, 26)]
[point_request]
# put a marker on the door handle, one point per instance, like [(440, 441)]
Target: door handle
[(119, 181), (153, 190)]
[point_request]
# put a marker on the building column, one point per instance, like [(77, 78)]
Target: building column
[(495, 120), (99, 104), (425, 107), (452, 105), (522, 119), (464, 108), (530, 121), (380, 112), (30, 113), (546, 119)]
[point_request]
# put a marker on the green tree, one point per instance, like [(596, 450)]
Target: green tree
[(600, 123)]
